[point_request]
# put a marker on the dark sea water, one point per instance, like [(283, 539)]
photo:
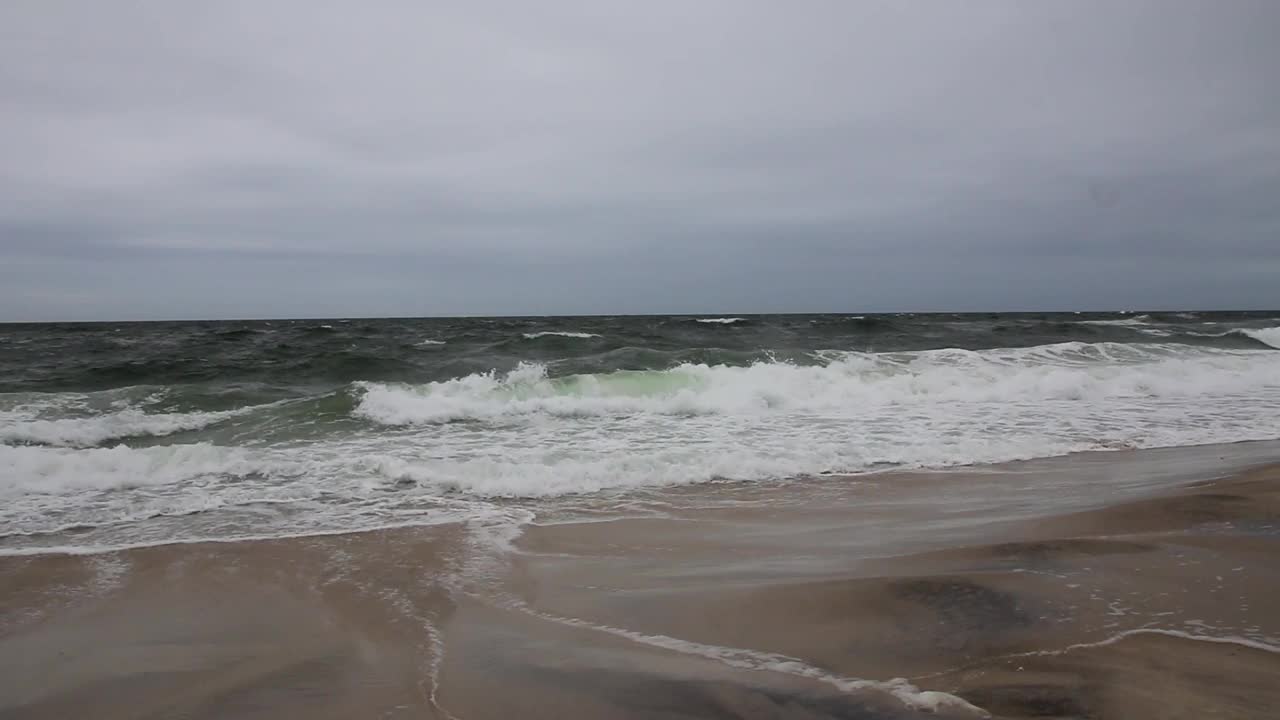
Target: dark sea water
[(134, 433)]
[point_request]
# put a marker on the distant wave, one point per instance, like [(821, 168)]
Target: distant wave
[(720, 321), (1126, 322), (862, 323), (432, 342), (558, 333), (1266, 336)]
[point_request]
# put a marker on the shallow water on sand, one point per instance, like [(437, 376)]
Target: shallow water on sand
[(1110, 585)]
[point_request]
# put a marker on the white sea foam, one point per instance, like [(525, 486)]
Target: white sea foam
[(850, 384), (527, 434), (17, 426), (1270, 336), (546, 333), (721, 321), (63, 470), (432, 342), (132, 497)]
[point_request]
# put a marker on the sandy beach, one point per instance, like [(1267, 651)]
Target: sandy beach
[(882, 596)]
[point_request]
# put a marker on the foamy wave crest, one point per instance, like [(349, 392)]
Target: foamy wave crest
[(556, 333), (1270, 336), (1266, 336), (60, 470), (846, 383), (721, 321), (98, 429), (432, 342)]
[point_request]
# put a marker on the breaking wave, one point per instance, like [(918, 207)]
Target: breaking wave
[(1268, 336), (18, 428), (847, 384), (61, 470)]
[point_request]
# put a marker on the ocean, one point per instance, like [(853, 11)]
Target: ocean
[(118, 435)]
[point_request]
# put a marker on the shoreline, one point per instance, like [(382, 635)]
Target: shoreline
[(1192, 462), (783, 600)]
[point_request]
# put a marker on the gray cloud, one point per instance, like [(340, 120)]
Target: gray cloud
[(183, 159)]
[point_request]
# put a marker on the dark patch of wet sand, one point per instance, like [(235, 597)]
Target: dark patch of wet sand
[(1144, 675), (1198, 561), (505, 662)]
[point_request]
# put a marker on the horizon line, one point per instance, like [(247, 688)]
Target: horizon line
[(1125, 311)]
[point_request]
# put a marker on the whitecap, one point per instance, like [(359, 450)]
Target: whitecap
[(850, 380), (558, 333), (1266, 336), (18, 426), (1269, 336)]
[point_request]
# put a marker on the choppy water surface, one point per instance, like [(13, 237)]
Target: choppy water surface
[(140, 433)]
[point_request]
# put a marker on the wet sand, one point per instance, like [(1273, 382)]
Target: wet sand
[(1157, 598)]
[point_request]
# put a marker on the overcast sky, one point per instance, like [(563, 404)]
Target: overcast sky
[(192, 159)]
